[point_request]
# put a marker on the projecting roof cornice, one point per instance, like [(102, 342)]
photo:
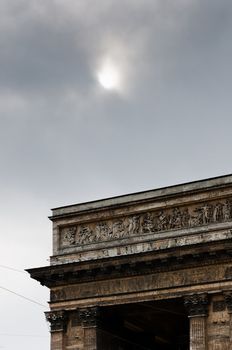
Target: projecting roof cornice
[(145, 196)]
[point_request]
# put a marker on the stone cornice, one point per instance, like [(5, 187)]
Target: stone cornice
[(140, 197), (72, 273)]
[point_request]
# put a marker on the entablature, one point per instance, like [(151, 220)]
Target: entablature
[(137, 264), (164, 229)]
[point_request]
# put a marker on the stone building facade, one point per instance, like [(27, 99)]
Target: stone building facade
[(150, 270)]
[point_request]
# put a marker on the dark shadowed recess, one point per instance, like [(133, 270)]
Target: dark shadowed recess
[(159, 325)]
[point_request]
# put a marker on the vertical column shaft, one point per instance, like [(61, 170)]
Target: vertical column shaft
[(197, 333), (196, 305)]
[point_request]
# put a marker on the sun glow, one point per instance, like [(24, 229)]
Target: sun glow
[(109, 77)]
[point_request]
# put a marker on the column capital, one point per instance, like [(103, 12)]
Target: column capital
[(57, 320), (228, 300), (196, 304), (89, 316)]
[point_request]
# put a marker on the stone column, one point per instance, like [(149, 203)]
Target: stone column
[(89, 318), (228, 300), (197, 306), (58, 322)]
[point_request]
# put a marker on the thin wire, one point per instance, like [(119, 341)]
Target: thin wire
[(22, 335), (12, 269), (22, 296)]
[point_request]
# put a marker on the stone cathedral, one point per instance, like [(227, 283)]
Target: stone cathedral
[(144, 271)]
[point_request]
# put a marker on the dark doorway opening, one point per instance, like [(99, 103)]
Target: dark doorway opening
[(153, 325)]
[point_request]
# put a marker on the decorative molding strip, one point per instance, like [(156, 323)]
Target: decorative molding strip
[(147, 223)]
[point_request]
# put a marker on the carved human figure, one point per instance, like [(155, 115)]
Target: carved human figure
[(226, 211), (148, 223), (69, 237), (186, 218), (217, 212), (162, 221), (195, 220), (176, 218), (206, 213), (118, 229), (85, 235), (133, 224), (103, 231)]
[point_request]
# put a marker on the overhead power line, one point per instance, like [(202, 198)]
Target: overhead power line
[(23, 335), (22, 296), (12, 269)]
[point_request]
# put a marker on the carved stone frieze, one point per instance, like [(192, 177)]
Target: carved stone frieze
[(69, 235), (196, 304), (89, 317), (147, 223), (57, 320)]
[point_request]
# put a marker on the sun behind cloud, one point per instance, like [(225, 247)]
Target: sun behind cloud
[(109, 76)]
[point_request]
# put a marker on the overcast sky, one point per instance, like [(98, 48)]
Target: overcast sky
[(65, 139)]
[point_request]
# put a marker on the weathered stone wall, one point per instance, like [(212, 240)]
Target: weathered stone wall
[(166, 284), (169, 224), (218, 324), (156, 245)]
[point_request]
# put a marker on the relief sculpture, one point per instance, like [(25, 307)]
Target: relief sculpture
[(118, 229), (133, 224), (69, 235), (147, 223)]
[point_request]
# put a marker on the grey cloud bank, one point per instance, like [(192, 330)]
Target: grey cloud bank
[(64, 139)]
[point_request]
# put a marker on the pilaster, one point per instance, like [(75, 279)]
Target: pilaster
[(218, 323), (228, 301), (89, 318), (58, 323)]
